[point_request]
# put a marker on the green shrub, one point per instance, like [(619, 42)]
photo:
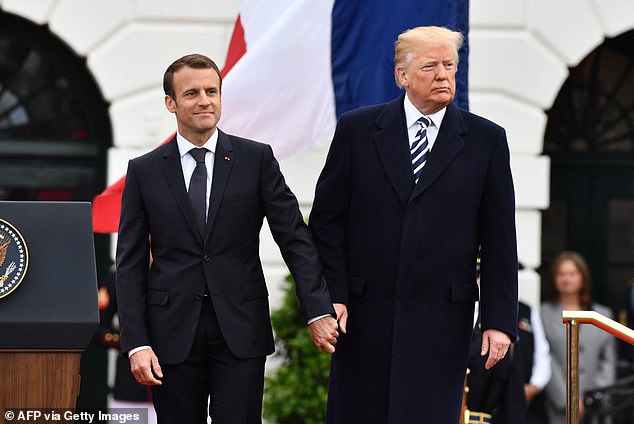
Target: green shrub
[(296, 392)]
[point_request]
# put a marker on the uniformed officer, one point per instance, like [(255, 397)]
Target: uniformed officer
[(496, 395)]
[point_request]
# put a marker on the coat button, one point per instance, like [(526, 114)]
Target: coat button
[(198, 297), (206, 258)]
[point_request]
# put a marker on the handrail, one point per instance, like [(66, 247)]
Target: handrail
[(606, 324), (572, 319)]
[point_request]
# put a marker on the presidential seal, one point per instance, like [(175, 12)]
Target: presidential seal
[(14, 258)]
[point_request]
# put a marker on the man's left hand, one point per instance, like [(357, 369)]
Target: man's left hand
[(324, 333), (496, 343)]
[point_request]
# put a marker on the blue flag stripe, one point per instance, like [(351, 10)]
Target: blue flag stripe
[(363, 36)]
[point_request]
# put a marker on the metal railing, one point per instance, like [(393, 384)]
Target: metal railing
[(572, 320)]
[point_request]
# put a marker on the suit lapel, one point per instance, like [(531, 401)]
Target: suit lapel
[(223, 164), (174, 172), (392, 144), (448, 144)]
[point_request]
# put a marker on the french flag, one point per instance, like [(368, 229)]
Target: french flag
[(294, 66)]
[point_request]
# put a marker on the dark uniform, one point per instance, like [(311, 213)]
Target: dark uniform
[(536, 413), (126, 388), (496, 395)]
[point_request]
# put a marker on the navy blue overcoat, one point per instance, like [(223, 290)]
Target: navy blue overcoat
[(402, 256)]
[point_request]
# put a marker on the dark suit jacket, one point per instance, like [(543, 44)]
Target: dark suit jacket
[(161, 307), (403, 256)]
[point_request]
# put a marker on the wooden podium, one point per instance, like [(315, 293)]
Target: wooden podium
[(49, 317), (37, 379)]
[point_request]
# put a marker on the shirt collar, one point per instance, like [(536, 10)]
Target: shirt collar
[(184, 145), (412, 114)]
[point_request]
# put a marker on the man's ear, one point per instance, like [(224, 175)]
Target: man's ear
[(170, 104), (401, 74)]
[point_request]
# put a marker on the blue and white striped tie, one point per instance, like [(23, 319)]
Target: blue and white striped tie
[(420, 148)]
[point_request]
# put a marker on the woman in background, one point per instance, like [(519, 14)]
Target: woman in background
[(570, 279)]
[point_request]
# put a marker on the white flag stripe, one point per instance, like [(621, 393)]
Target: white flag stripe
[(280, 92)]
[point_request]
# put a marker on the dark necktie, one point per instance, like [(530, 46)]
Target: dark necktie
[(198, 188), (420, 148)]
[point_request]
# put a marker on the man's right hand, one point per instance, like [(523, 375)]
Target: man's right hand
[(342, 315), (145, 367)]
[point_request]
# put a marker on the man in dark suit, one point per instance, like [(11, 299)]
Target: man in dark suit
[(195, 323), (410, 191)]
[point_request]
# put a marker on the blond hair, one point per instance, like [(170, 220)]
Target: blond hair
[(423, 37)]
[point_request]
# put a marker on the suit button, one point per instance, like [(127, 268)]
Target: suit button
[(206, 258), (198, 297)]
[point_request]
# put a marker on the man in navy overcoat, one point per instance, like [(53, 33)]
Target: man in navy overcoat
[(410, 191)]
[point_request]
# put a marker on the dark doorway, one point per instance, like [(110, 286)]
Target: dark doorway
[(54, 135), (54, 124), (590, 139)]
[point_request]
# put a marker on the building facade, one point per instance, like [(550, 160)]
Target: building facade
[(524, 59)]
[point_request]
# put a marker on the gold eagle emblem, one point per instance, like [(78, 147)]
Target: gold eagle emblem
[(4, 246)]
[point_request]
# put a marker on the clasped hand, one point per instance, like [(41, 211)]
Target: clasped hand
[(324, 333)]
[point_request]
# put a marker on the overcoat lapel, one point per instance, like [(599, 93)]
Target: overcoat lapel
[(392, 144), (174, 174), (448, 144), (224, 160)]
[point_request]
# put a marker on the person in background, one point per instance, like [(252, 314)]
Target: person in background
[(535, 361), (570, 279), (93, 392), (495, 395), (127, 392), (535, 353)]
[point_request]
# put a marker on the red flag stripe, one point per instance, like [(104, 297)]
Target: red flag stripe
[(237, 48), (106, 206)]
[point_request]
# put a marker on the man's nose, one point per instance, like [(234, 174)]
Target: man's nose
[(441, 72), (202, 98)]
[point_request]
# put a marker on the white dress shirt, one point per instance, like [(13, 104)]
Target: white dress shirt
[(541, 372), (412, 115)]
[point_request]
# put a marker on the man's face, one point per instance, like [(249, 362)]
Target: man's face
[(197, 105), (430, 78)]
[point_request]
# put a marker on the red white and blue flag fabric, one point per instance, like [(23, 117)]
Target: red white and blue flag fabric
[(294, 66)]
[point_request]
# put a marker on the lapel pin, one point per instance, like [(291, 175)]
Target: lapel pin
[(227, 158)]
